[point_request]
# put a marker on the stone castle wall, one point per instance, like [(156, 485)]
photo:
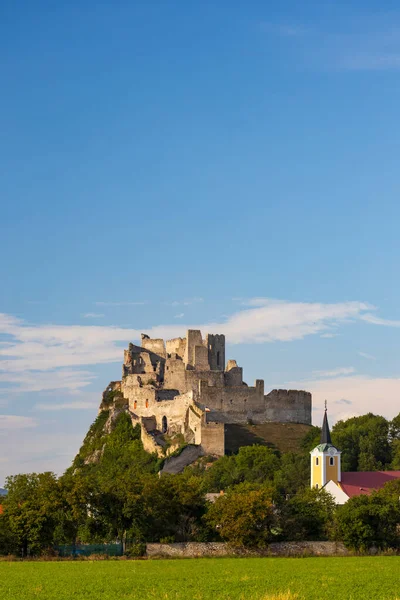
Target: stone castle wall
[(183, 385)]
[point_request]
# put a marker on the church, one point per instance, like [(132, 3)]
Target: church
[(326, 471)]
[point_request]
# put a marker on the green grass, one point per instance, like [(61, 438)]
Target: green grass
[(349, 578)]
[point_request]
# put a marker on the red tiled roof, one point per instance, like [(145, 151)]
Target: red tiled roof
[(364, 482)]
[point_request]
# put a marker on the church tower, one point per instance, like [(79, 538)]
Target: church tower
[(325, 459)]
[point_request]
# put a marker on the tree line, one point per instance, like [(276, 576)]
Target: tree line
[(112, 492)]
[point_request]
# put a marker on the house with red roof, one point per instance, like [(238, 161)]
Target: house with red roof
[(326, 472)]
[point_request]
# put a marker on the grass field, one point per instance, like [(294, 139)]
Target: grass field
[(352, 578)]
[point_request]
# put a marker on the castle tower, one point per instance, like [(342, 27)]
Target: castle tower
[(325, 459)]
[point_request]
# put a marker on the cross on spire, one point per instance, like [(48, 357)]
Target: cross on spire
[(325, 433)]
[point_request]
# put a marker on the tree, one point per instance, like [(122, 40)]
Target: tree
[(364, 442), (253, 464), (243, 516), (31, 507), (366, 521), (308, 515), (294, 474)]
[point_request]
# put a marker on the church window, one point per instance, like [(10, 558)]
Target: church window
[(331, 461), (316, 486), (317, 461)]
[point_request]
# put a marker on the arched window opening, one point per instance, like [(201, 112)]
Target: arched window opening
[(164, 425), (331, 461), (217, 359), (147, 403), (316, 486), (135, 404), (317, 461)]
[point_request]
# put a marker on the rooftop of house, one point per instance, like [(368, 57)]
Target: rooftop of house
[(360, 483)]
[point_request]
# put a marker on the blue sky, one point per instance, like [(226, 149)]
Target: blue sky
[(227, 165)]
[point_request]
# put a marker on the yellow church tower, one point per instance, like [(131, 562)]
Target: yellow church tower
[(325, 459)]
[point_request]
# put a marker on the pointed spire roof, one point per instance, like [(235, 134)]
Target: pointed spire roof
[(325, 433)]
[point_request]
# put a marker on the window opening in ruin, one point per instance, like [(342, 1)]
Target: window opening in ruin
[(317, 461), (147, 403), (135, 404), (217, 359), (164, 425)]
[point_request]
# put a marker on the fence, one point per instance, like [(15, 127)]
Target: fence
[(88, 549)]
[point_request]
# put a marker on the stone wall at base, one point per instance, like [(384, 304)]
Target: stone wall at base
[(206, 549)]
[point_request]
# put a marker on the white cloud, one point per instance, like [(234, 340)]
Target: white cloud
[(187, 302), (334, 372), (61, 350), (329, 335), (13, 422), (365, 394), (179, 316), (69, 380), (91, 315), (369, 318), (80, 405), (365, 355)]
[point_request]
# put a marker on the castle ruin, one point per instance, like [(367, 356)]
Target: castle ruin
[(182, 386)]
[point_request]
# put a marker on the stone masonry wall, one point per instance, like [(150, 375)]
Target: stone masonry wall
[(288, 406), (205, 549)]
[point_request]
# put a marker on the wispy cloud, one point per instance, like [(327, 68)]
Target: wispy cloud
[(284, 29), (343, 401), (13, 422), (61, 351), (369, 43), (366, 355), (67, 406), (364, 393), (374, 320), (119, 303), (179, 316), (334, 372), (187, 302), (329, 335), (28, 380), (91, 315)]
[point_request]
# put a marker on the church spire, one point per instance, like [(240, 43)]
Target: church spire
[(325, 433), (325, 459)]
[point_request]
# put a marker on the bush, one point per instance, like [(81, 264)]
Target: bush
[(137, 550)]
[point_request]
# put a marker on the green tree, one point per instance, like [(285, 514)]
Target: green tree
[(294, 474), (252, 464), (308, 515), (8, 543), (31, 507), (243, 516), (366, 521), (364, 442)]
